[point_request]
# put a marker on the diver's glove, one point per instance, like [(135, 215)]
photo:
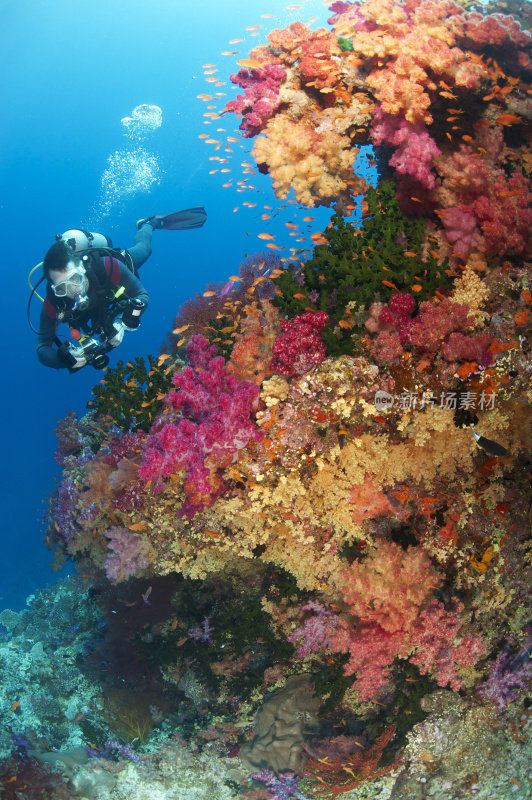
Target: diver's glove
[(72, 357), (118, 335), (131, 314)]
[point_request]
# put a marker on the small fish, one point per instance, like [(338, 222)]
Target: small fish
[(249, 63), (15, 705), (146, 595), (491, 447), (508, 119), (342, 436)]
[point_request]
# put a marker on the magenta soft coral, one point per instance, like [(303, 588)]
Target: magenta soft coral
[(209, 422), (261, 98), (299, 346)]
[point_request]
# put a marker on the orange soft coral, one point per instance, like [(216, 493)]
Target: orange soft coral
[(368, 501), (252, 351)]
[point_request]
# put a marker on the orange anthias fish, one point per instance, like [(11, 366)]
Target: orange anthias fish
[(508, 119)]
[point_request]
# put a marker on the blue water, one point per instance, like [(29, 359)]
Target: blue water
[(71, 70)]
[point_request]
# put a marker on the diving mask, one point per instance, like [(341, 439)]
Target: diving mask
[(73, 285)]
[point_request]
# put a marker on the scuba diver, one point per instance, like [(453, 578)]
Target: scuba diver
[(94, 289)]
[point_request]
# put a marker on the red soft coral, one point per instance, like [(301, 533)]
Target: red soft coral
[(299, 346), (505, 214), (433, 634)]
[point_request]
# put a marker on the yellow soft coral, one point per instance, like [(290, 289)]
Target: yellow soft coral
[(474, 292), (317, 166)]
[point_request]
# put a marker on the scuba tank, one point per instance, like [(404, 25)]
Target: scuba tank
[(78, 239)]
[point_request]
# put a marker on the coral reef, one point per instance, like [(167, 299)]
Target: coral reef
[(306, 526)]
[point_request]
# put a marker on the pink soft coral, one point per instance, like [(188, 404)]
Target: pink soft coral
[(372, 650), (130, 554), (416, 149), (261, 99), (435, 322), (386, 593), (461, 230), (316, 631), (505, 214), (477, 30)]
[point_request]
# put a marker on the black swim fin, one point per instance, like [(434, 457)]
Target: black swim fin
[(182, 220)]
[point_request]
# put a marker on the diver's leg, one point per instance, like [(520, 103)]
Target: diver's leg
[(141, 250)]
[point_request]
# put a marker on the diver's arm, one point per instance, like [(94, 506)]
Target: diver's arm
[(132, 285), (47, 352), (137, 301)]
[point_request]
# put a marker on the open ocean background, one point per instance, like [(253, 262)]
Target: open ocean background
[(73, 69)]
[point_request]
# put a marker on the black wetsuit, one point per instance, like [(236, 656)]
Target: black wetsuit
[(106, 274)]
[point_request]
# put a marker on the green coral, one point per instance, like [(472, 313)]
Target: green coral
[(131, 394), (358, 266), (346, 45)]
